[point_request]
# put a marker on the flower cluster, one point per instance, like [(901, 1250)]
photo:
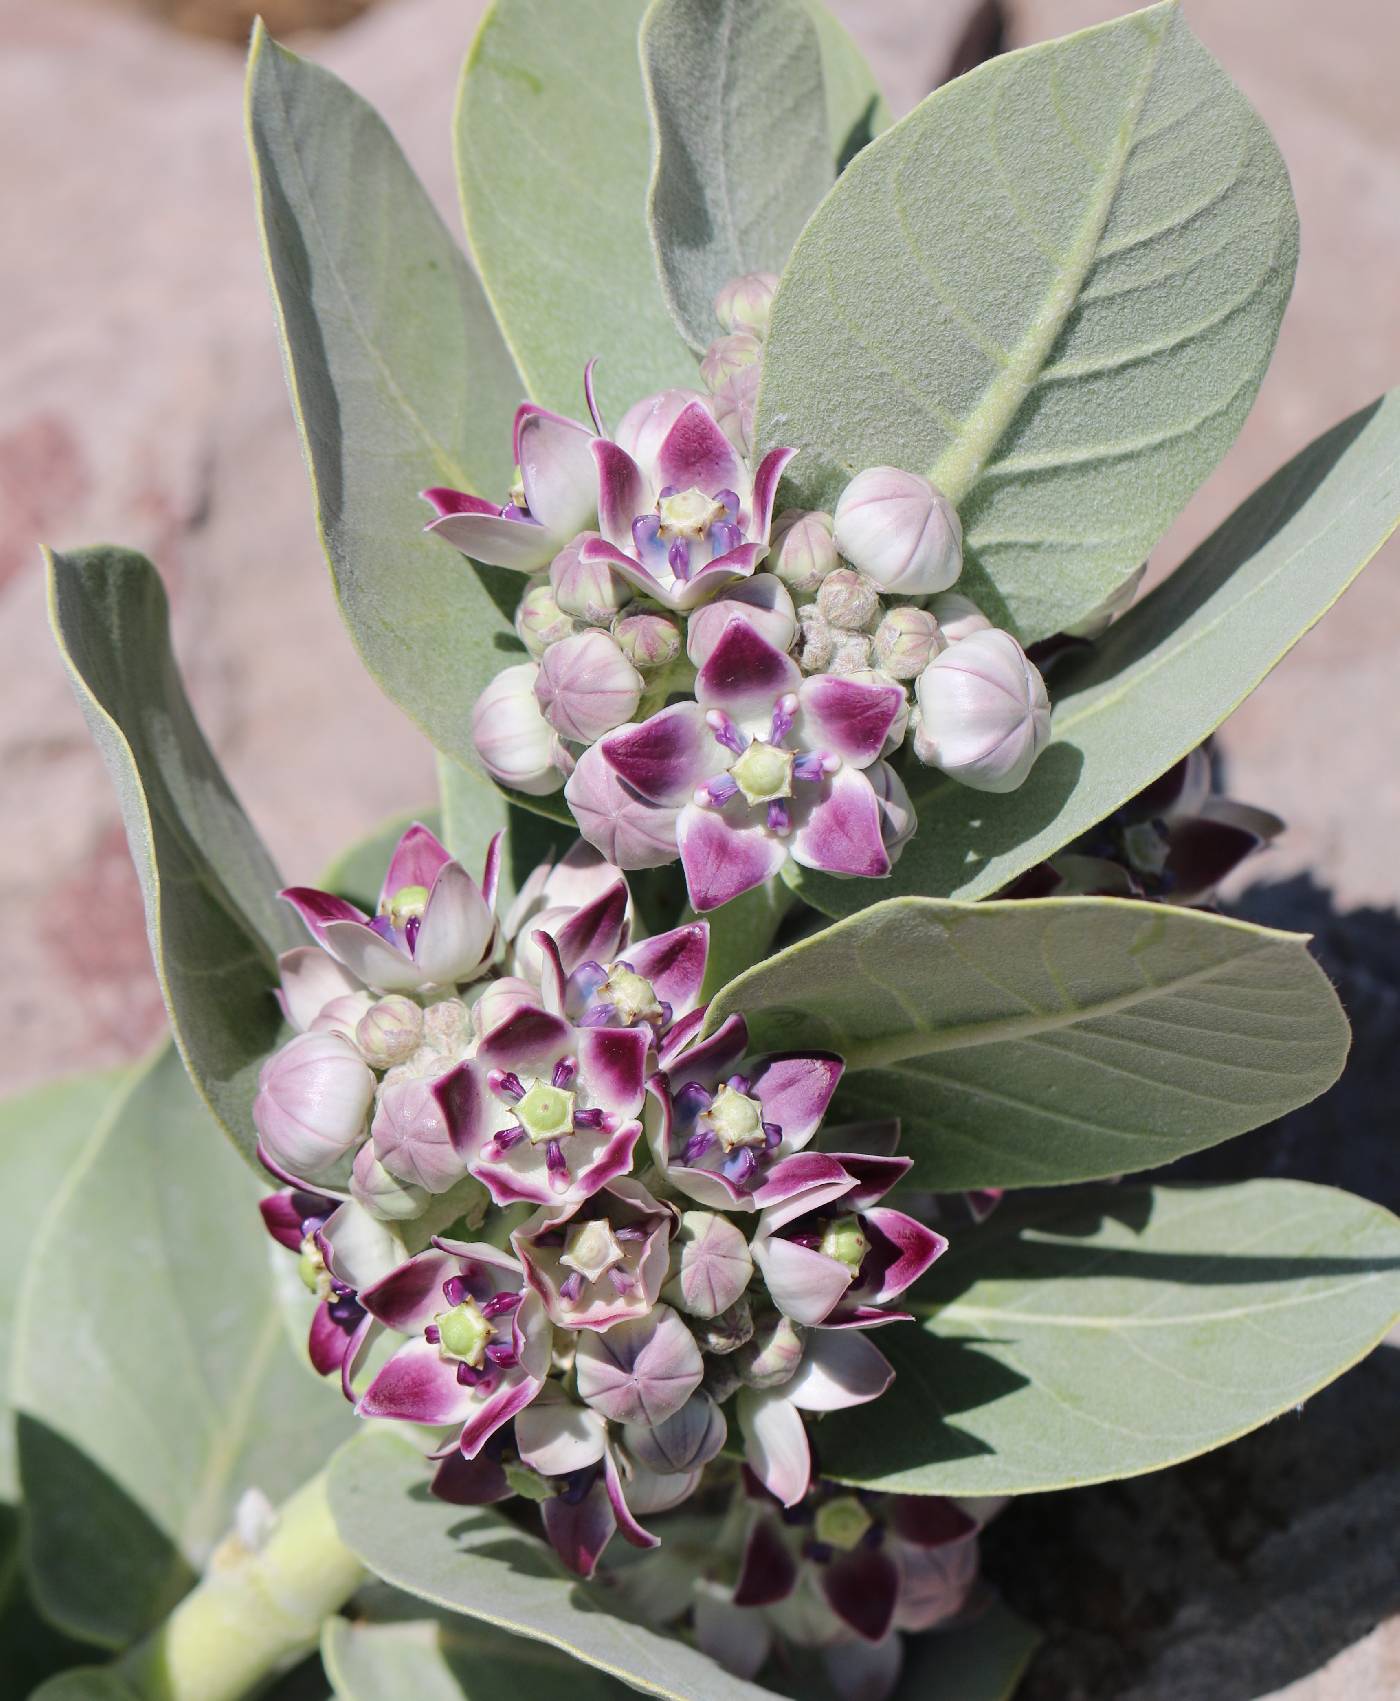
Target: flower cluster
[(551, 1212), (693, 706)]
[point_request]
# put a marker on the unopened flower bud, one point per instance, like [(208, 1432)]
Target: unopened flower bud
[(850, 652), (849, 600), (727, 355), (817, 644), (957, 616), (447, 1025), (733, 402), (771, 1358), (640, 1370), (589, 590), (761, 602), (684, 1441), (502, 998), (586, 687), (984, 715), (722, 1379), (906, 641), (342, 1015), (727, 1332), (389, 1032), (744, 303), (802, 551), (539, 620), (710, 1264), (513, 739), (373, 1188), (647, 640), (629, 831), (896, 527), (412, 1138), (312, 1100)]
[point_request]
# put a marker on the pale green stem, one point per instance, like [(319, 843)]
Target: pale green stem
[(254, 1614)]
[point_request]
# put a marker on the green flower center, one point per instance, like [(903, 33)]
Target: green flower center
[(844, 1240), (736, 1119), (592, 1249), (463, 1333), (311, 1267), (688, 514), (631, 995), (546, 1112), (407, 904), (842, 1523), (764, 772)]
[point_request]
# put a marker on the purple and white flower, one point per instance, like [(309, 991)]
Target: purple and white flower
[(718, 1123), (434, 926), (762, 766), (598, 1262), (478, 1341)]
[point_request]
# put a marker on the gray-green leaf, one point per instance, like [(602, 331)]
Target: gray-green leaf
[(210, 889), (399, 380), (476, 1563), (41, 1134), (1053, 288), (741, 152), (152, 1377), (1065, 1039), (553, 158), (1167, 674), (1118, 1331)]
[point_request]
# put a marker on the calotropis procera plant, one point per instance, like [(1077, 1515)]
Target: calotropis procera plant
[(692, 1154)]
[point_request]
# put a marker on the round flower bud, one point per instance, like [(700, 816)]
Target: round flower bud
[(342, 1015), (802, 551), (817, 642), (589, 590), (684, 1441), (373, 1188), (412, 1138), (849, 600), (539, 620), (642, 429), (761, 602), (727, 355), (896, 527), (586, 687), (906, 641), (733, 403), (503, 997), (513, 739), (727, 1332), (984, 715), (710, 1264), (957, 615), (771, 1358), (389, 1032), (312, 1100), (744, 303), (850, 653), (647, 640), (630, 832)]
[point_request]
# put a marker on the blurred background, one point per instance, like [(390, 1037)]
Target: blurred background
[(142, 402)]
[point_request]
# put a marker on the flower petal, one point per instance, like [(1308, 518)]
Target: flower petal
[(317, 908), (842, 833), (765, 490), (327, 1343), (503, 1403), (417, 1385), (775, 1443), (865, 1671), (631, 1530), (732, 568), (795, 1089), (470, 1482), (498, 542), (744, 676), (622, 492), (594, 931), (579, 1531), (722, 860), (373, 959), (557, 1437), (612, 1063), (768, 1571), (696, 454), (839, 1368), (409, 1297), (556, 468), (529, 1042), (630, 831), (457, 929), (666, 757), (418, 859), (862, 1587), (445, 500), (848, 716), (913, 1246), (674, 963), (804, 1284), (310, 979), (740, 1641)]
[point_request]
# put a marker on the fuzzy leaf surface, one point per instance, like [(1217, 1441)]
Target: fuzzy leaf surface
[(152, 1377), (741, 149), (1028, 1044), (210, 888), (1115, 1331), (1166, 675), (553, 158), (399, 380), (1053, 288)]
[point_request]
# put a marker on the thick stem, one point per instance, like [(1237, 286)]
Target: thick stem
[(256, 1611)]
